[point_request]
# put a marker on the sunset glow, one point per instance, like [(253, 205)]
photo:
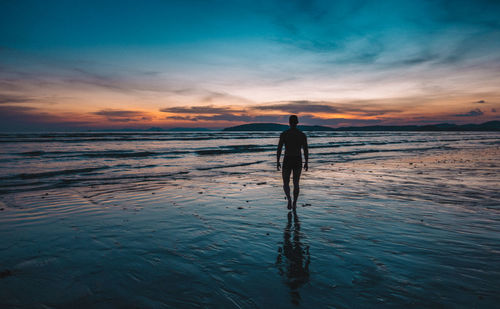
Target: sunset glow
[(170, 64)]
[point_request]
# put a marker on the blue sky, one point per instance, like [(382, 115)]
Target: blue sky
[(68, 64)]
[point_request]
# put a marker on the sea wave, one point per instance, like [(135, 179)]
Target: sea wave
[(101, 154), (137, 157), (229, 165), (54, 173)]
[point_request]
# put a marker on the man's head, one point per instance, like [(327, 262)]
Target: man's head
[(293, 120)]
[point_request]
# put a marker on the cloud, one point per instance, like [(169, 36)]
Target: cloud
[(208, 96), (25, 118), (301, 106), (308, 112), (348, 34), (218, 113), (311, 107), (12, 99), (337, 121), (12, 109), (188, 118), (480, 102), (126, 80), (99, 80), (116, 115), (201, 110), (471, 113), (244, 118), (73, 75)]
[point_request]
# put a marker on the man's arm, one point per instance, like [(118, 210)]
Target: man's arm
[(278, 153), (306, 153)]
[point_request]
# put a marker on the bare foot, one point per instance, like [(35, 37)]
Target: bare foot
[(294, 205)]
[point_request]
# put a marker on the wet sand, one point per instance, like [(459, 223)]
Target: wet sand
[(417, 230)]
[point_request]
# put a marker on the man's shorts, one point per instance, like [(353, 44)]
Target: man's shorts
[(292, 163)]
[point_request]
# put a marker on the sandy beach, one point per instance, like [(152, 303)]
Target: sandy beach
[(419, 230)]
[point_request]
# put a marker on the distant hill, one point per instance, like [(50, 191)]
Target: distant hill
[(274, 127), (487, 126)]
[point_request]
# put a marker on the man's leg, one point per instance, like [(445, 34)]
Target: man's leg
[(296, 188), (285, 173)]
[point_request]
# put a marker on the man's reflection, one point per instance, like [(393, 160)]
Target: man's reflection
[(293, 261)]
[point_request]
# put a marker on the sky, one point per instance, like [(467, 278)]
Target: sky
[(77, 65)]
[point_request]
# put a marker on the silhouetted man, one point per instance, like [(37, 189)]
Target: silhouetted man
[(294, 141)]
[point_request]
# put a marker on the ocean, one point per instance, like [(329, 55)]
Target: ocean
[(198, 219), (53, 160)]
